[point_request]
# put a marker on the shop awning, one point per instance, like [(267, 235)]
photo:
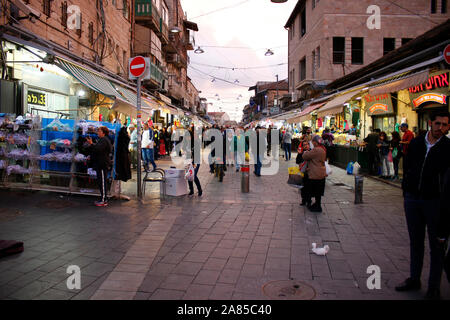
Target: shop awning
[(306, 113), (400, 83), (336, 105), (100, 84), (125, 107), (286, 115), (89, 79)]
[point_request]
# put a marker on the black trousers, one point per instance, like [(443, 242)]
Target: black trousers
[(421, 214), (102, 180), (196, 181), (373, 162)]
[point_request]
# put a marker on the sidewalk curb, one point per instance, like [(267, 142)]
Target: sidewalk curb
[(384, 181)]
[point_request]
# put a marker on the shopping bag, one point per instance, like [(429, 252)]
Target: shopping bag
[(350, 168), (328, 168), (295, 180), (390, 156), (299, 158), (293, 170), (394, 153), (190, 173)]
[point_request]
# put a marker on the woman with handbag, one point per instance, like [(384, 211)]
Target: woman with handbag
[(304, 192), (316, 170)]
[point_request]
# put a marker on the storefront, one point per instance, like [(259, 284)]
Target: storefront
[(429, 97), (382, 108)]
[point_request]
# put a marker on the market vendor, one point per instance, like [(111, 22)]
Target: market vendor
[(101, 160)]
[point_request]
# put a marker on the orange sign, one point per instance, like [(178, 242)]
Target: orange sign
[(378, 107), (429, 97)]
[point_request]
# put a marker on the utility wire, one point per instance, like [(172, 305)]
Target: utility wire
[(221, 9), (238, 68)]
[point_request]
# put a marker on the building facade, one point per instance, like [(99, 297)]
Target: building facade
[(330, 39), (267, 99)]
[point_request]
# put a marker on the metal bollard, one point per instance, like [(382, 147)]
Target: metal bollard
[(245, 179), (358, 188)]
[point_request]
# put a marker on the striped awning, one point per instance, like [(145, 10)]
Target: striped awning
[(335, 105), (306, 113), (89, 78), (100, 84)]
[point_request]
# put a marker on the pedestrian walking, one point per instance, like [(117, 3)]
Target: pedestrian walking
[(304, 192), (425, 164), (383, 148), (147, 147), (101, 154), (133, 145), (195, 164), (373, 154), (287, 141), (315, 162)]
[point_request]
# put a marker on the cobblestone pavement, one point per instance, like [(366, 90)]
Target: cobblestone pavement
[(224, 245)]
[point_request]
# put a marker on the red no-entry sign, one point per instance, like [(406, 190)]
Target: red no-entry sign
[(447, 53), (137, 66)]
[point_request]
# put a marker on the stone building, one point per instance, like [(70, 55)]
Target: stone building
[(330, 39)]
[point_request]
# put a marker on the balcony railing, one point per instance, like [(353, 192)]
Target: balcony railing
[(147, 14)]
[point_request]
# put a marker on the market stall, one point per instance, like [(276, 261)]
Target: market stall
[(48, 154)]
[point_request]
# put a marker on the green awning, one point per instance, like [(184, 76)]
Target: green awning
[(90, 79)]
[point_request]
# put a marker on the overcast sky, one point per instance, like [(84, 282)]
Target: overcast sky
[(254, 24)]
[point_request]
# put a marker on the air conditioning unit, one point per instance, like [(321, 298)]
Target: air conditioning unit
[(164, 85), (294, 96), (173, 58)]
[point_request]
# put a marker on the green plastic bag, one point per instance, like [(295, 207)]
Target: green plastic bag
[(394, 153)]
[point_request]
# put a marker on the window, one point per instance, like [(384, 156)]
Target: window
[(357, 50), (338, 50), (114, 3), (46, 7), (433, 6), (125, 9), (302, 66), (64, 14), (293, 30), (303, 22), (444, 6), (91, 33), (388, 45), (125, 62), (313, 64), (405, 40), (318, 57), (293, 79), (313, 3), (78, 31)]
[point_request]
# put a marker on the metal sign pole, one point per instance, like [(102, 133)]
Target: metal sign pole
[(139, 187)]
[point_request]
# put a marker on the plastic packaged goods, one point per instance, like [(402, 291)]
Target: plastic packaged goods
[(17, 169), (3, 164), (19, 154), (57, 125)]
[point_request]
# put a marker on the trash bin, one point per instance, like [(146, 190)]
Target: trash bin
[(176, 184), (245, 178), (358, 188)]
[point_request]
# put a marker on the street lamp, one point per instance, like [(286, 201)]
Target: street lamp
[(199, 50), (279, 1), (268, 53)]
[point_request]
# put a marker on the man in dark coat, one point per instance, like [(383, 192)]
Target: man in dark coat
[(372, 141), (425, 167), (101, 159)]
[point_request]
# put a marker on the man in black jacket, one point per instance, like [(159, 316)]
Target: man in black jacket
[(101, 159), (425, 165)]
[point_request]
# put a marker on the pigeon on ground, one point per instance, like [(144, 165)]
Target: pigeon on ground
[(320, 251)]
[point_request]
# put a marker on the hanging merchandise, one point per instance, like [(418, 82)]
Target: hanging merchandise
[(50, 154)]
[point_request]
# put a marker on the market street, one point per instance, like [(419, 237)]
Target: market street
[(224, 245)]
